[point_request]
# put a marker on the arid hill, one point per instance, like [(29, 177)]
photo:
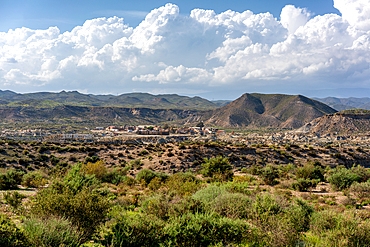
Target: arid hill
[(267, 110), (344, 122)]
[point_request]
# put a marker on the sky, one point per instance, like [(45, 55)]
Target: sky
[(212, 49)]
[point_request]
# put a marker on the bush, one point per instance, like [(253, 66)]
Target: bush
[(330, 228), (115, 176), (53, 231), (10, 234), (14, 199), (310, 171), (84, 209), (269, 175), (342, 178), (303, 184), (231, 205), (265, 206), (165, 206), (207, 229), (92, 159), (10, 179), (147, 175), (255, 169), (98, 169), (183, 184), (218, 167), (136, 163), (77, 179), (136, 230), (209, 193), (34, 179), (361, 190), (299, 215)]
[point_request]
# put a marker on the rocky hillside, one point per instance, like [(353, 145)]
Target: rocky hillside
[(344, 122), (266, 110)]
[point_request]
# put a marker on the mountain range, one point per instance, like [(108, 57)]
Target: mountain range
[(341, 104), (130, 100), (250, 110)]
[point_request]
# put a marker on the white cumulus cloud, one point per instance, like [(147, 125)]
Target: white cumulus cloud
[(202, 52)]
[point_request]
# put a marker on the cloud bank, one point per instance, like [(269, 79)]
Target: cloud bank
[(203, 52)]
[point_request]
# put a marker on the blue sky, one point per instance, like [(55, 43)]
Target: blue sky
[(66, 14), (213, 49)]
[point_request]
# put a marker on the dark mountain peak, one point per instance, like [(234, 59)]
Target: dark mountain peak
[(248, 102), (7, 92)]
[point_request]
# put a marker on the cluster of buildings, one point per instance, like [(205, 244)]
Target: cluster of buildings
[(157, 130), (23, 133)]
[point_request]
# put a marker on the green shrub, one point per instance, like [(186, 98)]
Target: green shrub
[(42, 149), (361, 172), (310, 171), (92, 159), (143, 152), (183, 184), (361, 190), (136, 230), (266, 205), (299, 214), (84, 209), (255, 169), (342, 178), (136, 163), (54, 160), (34, 179), (330, 228), (10, 234), (207, 229), (218, 167), (10, 179), (14, 198), (209, 193), (231, 205), (77, 179), (165, 206), (240, 184), (269, 174), (303, 184), (115, 176), (52, 231), (147, 175)]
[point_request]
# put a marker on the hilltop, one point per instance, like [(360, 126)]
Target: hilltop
[(266, 110)]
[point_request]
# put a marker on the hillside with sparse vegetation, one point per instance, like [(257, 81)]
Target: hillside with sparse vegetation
[(78, 194)]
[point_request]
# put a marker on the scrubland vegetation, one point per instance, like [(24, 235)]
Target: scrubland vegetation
[(225, 200)]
